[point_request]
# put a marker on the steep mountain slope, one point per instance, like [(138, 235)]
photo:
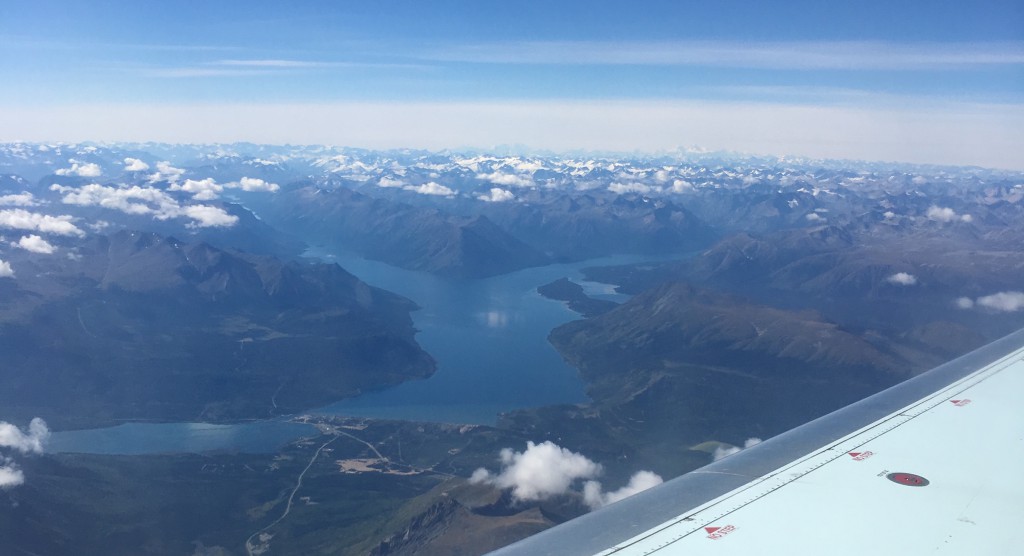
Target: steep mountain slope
[(676, 366), (139, 326), (399, 234)]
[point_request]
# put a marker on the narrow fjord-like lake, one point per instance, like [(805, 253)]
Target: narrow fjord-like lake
[(489, 338)]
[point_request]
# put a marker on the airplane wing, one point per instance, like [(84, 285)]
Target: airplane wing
[(932, 465)]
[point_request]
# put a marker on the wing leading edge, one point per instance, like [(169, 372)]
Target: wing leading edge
[(929, 465)]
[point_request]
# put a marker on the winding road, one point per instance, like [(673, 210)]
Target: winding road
[(254, 550)]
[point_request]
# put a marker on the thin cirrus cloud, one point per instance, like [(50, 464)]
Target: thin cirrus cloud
[(274, 63), (798, 55), (273, 66)]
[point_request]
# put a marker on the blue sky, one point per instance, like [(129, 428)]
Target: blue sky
[(931, 81)]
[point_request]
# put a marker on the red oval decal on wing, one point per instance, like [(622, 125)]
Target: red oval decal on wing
[(908, 479)]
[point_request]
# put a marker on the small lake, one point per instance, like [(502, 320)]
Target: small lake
[(489, 338)]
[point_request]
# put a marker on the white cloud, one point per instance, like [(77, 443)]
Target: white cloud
[(147, 201), (661, 176), (5, 269), (135, 165), (541, 471), (946, 214), (256, 184), (23, 199), (964, 302), (166, 172), (681, 186), (21, 219), (430, 188), (389, 182), (497, 195), (206, 216), (814, 217), (208, 189), (1003, 301), (902, 279), (726, 450), (545, 470), (621, 188), (86, 170), (639, 482), (12, 438), (130, 200), (30, 442), (202, 190), (10, 475), (508, 180), (34, 244)]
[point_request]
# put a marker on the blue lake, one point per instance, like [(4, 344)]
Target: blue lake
[(163, 438), (489, 338)]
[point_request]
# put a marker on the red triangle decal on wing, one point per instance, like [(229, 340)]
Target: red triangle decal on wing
[(855, 454), (711, 529), (955, 401)]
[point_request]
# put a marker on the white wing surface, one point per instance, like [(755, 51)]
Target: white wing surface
[(933, 465)]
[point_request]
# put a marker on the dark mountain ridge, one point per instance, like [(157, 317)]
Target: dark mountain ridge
[(140, 326), (402, 235)]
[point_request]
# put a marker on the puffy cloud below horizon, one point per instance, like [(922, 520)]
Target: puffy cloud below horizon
[(390, 182), (726, 450), (902, 279), (497, 195), (5, 269), (946, 214), (135, 165), (206, 216), (23, 199), (13, 439), (546, 470), (681, 186), (201, 190), (595, 498), (25, 442), (255, 184), (430, 188), (21, 219), (166, 172), (1005, 302), (146, 201), (10, 474), (34, 244), (622, 188), (540, 472), (84, 170), (208, 189), (508, 180)]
